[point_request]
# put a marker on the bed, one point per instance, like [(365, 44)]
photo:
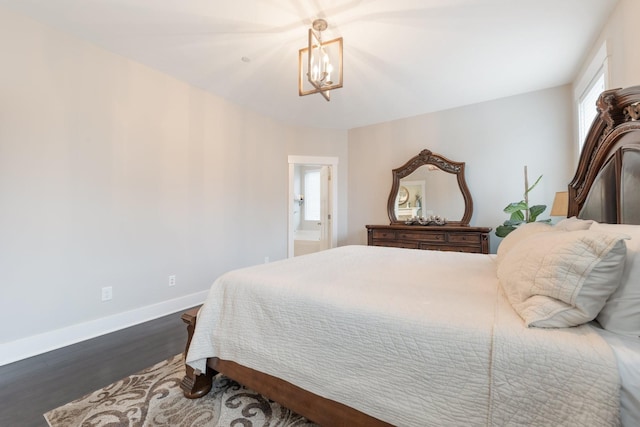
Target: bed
[(543, 333)]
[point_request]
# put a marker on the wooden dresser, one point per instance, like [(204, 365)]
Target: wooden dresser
[(455, 238)]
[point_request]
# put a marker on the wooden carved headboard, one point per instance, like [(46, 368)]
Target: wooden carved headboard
[(606, 186)]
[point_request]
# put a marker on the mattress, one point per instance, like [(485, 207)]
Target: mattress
[(414, 338)]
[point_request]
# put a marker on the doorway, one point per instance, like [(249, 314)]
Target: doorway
[(312, 206)]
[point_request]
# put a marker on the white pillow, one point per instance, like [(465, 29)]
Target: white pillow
[(573, 224), (518, 235), (621, 313), (559, 279)]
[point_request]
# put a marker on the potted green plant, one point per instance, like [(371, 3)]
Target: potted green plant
[(520, 212)]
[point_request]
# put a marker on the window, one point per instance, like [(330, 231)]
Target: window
[(312, 195), (587, 106), (590, 85)]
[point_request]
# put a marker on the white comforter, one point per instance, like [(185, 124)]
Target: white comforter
[(414, 338)]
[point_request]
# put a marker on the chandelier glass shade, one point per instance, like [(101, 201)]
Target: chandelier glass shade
[(320, 63)]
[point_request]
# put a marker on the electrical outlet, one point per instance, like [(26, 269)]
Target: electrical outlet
[(107, 293), (172, 280), (266, 260)]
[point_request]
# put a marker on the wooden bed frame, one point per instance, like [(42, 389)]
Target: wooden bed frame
[(609, 164)]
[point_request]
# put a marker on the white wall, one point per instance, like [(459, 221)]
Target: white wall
[(496, 140), (113, 174), (621, 35), (623, 56)]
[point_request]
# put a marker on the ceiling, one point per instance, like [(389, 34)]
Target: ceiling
[(401, 58)]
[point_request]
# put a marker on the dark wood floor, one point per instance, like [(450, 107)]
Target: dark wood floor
[(31, 387)]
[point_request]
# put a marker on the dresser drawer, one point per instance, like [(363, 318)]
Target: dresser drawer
[(422, 236), (384, 235), (464, 237)]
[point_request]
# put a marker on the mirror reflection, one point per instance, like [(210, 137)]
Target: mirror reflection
[(429, 191), (427, 185)]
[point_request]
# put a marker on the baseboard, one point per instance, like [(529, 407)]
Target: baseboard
[(37, 344)]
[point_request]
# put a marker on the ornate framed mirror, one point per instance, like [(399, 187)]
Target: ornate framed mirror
[(431, 185)]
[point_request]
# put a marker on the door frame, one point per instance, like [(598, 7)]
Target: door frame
[(332, 162)]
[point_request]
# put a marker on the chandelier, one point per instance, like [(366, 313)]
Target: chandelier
[(320, 63)]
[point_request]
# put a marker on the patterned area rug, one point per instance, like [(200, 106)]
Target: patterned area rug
[(153, 398)]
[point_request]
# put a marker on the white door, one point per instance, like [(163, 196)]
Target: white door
[(312, 205), (325, 207)]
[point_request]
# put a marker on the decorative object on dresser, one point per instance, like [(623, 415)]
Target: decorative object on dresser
[(430, 220), (429, 207)]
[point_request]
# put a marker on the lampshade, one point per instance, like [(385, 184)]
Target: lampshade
[(320, 63), (560, 204)]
